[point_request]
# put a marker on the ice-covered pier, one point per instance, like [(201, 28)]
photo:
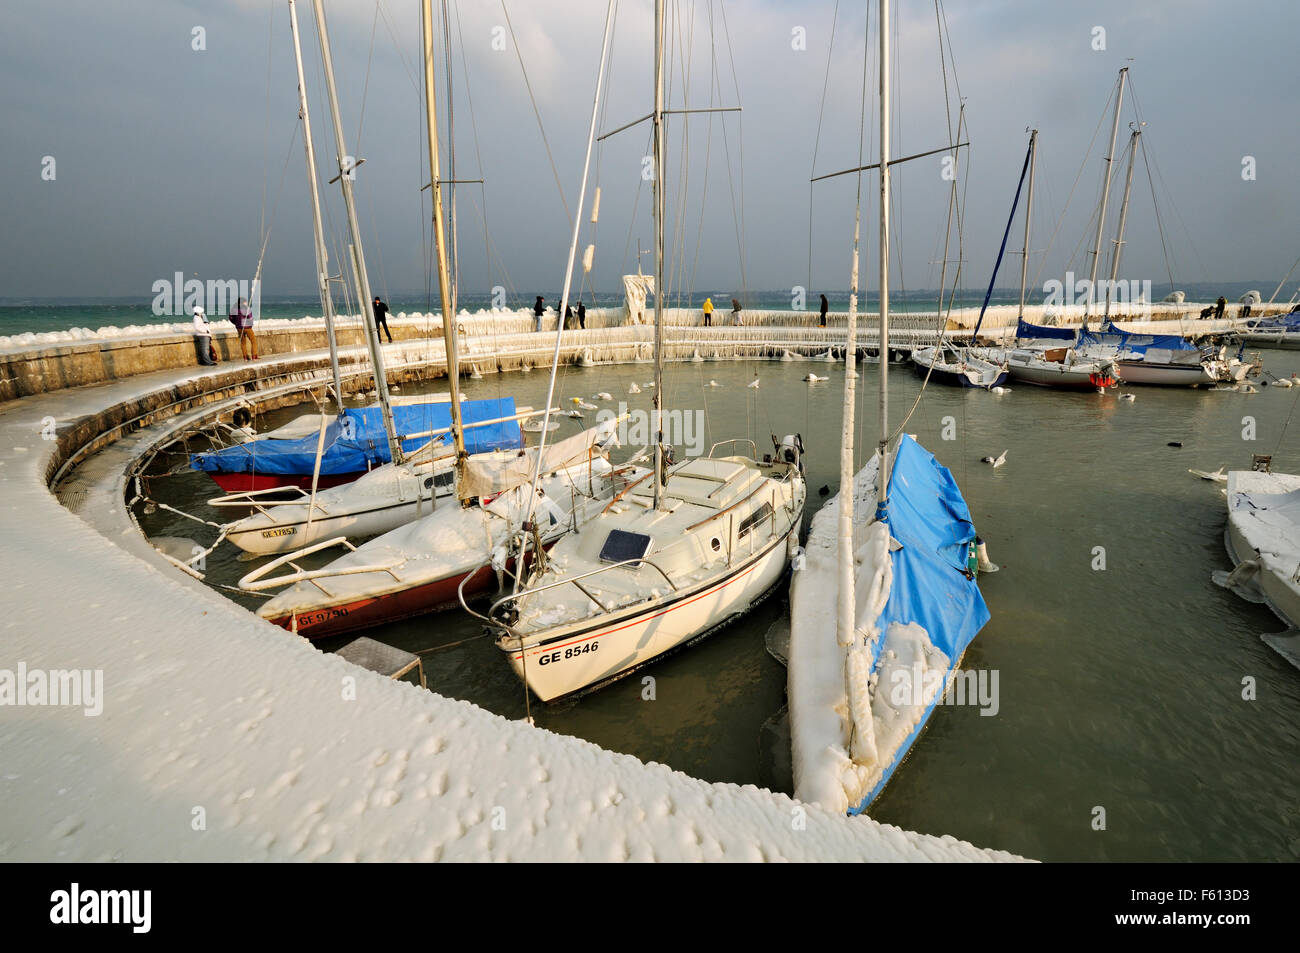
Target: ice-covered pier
[(216, 736)]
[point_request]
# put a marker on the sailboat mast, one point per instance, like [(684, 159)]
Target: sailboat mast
[(659, 250), (1105, 190), (354, 233), (882, 493), (1029, 208), (318, 228), (1123, 218), (439, 240)]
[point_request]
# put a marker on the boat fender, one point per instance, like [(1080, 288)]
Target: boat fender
[(982, 552)]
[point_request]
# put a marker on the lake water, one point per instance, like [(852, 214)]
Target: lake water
[(1120, 688)]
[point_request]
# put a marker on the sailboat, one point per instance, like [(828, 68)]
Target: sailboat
[(887, 601), (1046, 365), (461, 546), (681, 552), (1263, 540), (316, 451)]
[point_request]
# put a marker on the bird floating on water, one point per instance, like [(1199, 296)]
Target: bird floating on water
[(1218, 476), (813, 379), (995, 461), (1127, 397), (1000, 390), (604, 396), (754, 383), (714, 384), (633, 389)]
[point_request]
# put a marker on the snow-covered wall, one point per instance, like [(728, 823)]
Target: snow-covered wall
[(216, 736)]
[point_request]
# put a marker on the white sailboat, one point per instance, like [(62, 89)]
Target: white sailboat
[(1045, 365), (1263, 540), (886, 602), (680, 553), (285, 520), (423, 565)]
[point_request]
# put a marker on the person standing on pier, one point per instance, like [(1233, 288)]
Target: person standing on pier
[(538, 310), (1220, 306), (242, 319), (708, 312), (203, 347), (381, 319), (821, 323), (735, 311), (582, 316)]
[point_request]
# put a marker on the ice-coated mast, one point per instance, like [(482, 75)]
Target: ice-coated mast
[(346, 173)]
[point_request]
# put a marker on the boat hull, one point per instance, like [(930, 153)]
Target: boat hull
[(1162, 375), (364, 613), (1053, 375), (953, 378), (586, 655)]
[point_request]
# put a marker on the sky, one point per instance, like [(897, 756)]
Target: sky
[(175, 142)]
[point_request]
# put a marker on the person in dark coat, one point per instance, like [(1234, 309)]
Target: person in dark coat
[(822, 322), (538, 310), (381, 319), (735, 310), (568, 315), (1220, 306), (582, 315)]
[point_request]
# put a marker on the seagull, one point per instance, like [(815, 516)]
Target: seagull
[(714, 384), (604, 396), (582, 404), (1000, 390), (633, 389), (1127, 397), (754, 383), (813, 379), (996, 461), (575, 414), (1217, 477), (650, 384)]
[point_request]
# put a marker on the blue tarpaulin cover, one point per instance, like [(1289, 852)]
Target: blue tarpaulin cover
[(1117, 337), (1285, 322), (355, 441), (927, 515), (1038, 331)]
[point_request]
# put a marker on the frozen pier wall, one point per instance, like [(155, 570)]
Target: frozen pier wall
[(208, 734), (38, 363)]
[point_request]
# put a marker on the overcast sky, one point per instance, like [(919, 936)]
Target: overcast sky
[(169, 158)]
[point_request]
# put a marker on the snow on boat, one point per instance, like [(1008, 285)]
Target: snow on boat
[(418, 567), (856, 711), (1165, 360), (957, 367), (639, 581), (354, 443), (1263, 540)]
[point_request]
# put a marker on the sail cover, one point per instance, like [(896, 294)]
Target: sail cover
[(1117, 337), (1040, 332), (355, 441)]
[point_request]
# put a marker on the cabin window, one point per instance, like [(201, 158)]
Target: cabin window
[(754, 519), (621, 546), (440, 480)]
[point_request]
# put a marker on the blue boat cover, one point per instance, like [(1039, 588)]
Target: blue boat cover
[(926, 513), (1026, 330), (1117, 337), (1286, 322), (355, 441)]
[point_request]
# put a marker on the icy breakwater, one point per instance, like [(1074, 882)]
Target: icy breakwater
[(500, 341)]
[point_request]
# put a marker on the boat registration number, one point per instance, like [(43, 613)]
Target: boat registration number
[(572, 651), (315, 618), (273, 533)]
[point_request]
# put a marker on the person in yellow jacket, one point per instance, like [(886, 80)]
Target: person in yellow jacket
[(708, 312)]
